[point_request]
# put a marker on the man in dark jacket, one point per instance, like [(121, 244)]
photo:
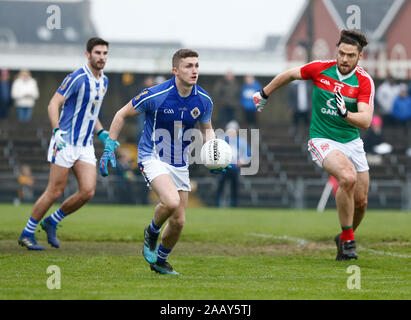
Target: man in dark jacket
[(5, 93)]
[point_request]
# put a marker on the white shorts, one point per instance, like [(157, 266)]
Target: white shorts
[(319, 148), (152, 168), (67, 156)]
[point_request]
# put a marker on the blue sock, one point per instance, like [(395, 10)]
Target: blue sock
[(56, 217), (30, 227), (154, 228), (162, 253)]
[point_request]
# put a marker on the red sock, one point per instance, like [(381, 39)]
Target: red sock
[(347, 233)]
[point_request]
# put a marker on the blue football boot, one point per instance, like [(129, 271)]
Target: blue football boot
[(29, 242), (50, 229), (149, 247), (163, 268)]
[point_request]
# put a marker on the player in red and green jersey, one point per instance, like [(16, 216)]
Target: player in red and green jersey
[(343, 102)]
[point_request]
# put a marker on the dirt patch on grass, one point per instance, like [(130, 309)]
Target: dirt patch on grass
[(182, 248)]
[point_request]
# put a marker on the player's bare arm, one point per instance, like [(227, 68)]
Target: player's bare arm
[(282, 79), (207, 131), (118, 120), (54, 106), (362, 118), (98, 126), (260, 97)]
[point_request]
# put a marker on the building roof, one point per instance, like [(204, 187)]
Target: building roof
[(33, 22), (27, 42), (376, 15)]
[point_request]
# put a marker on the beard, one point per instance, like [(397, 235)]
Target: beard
[(346, 69), (97, 65)]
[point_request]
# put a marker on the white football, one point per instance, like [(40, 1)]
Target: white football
[(216, 154)]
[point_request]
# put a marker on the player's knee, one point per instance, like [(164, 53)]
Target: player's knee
[(348, 180), (172, 203), (177, 223), (87, 194), (55, 193), (361, 203)]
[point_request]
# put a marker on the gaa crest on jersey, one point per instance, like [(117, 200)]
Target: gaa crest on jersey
[(195, 113)]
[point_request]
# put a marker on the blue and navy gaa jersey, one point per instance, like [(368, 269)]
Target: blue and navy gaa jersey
[(84, 95), (170, 119)]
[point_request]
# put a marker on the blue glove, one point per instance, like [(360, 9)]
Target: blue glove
[(108, 155), (221, 171), (102, 135)]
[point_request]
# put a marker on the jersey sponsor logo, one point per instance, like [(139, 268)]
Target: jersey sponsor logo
[(195, 113), (331, 110), (168, 111)]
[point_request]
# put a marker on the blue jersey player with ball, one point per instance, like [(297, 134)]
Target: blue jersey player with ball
[(172, 109)]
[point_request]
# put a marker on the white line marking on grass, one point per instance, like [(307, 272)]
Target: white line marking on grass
[(392, 254), (299, 241), (302, 242)]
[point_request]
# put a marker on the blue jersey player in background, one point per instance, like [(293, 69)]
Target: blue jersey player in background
[(80, 96), (172, 109)]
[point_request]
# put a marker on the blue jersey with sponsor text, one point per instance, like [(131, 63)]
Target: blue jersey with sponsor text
[(84, 95), (170, 120)]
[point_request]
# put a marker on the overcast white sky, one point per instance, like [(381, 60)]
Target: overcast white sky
[(195, 23)]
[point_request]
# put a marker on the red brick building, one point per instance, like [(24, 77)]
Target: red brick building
[(386, 23)]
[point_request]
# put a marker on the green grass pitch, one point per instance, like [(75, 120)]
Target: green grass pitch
[(239, 254)]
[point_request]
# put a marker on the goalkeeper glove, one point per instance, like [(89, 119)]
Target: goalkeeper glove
[(341, 109), (58, 138), (260, 100), (221, 171), (102, 135), (108, 156)]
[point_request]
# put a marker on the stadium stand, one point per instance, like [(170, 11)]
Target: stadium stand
[(286, 177)]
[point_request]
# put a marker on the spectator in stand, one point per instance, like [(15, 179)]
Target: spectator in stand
[(226, 92), (374, 144), (5, 93), (401, 112), (298, 99), (125, 177), (250, 86), (26, 182), (385, 96), (25, 92), (241, 157)]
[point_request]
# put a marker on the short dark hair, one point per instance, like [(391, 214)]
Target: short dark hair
[(183, 53), (354, 38), (92, 42)]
